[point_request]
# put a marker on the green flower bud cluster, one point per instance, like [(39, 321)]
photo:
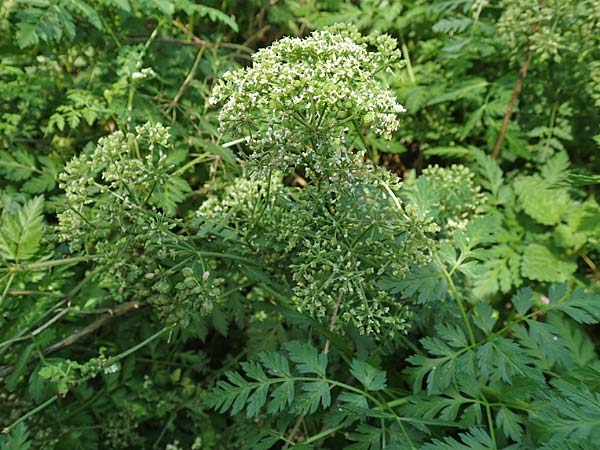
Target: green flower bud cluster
[(331, 243), (117, 207), (350, 239), (194, 295), (458, 197), (112, 180), (593, 85), (110, 207), (551, 28)]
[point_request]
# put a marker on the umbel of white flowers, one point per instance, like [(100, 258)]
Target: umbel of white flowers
[(305, 99)]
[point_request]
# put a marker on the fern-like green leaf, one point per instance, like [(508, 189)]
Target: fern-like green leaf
[(542, 264), (427, 283), (371, 378), (474, 439), (272, 382), (473, 88), (556, 169), (16, 439), (446, 407), (580, 346), (583, 307), (46, 180), (366, 437), (510, 423), (570, 416), (484, 317), (448, 363), (21, 231), (307, 358), (502, 359), (523, 300), (18, 165), (314, 393)]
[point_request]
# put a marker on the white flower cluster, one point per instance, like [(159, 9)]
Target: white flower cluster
[(146, 72), (300, 99)]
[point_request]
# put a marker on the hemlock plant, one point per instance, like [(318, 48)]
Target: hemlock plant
[(300, 107)]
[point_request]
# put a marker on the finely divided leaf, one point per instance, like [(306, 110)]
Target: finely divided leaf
[(21, 232), (453, 335), (307, 358), (474, 439), (448, 364), (276, 364), (580, 306), (17, 165), (366, 437), (484, 317), (16, 439), (556, 169), (523, 300), (427, 283), (510, 423), (570, 417), (491, 174), (46, 180), (371, 378), (501, 358), (579, 344), (499, 272), (314, 393)]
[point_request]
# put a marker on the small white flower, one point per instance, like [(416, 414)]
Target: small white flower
[(113, 368)]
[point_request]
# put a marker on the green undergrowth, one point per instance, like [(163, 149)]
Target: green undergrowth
[(299, 225)]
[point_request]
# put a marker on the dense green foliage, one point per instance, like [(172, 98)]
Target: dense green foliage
[(299, 224)]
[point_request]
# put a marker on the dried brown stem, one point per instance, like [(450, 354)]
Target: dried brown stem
[(591, 265), (511, 104), (187, 81), (292, 434), (195, 39)]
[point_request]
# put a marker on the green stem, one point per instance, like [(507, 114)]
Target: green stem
[(31, 413), (457, 298), (359, 134), (397, 402), (228, 256), (132, 83), (135, 348), (11, 277), (323, 434), (111, 32), (199, 159), (46, 264), (4, 346), (409, 67), (488, 412)]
